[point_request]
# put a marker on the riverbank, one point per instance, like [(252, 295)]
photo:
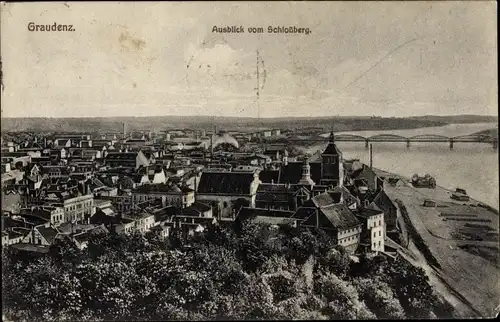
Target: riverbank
[(446, 242)]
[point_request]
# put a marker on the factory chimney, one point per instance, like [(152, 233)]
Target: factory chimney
[(371, 155)]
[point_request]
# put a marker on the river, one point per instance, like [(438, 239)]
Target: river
[(471, 166)]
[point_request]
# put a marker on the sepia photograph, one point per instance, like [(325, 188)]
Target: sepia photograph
[(249, 160)]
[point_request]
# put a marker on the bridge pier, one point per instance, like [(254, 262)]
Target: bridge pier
[(495, 144), (366, 144), (407, 144), (451, 144)]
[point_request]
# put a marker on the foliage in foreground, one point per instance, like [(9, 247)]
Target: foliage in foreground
[(255, 273)]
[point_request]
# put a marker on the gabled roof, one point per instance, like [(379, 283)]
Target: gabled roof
[(303, 213), (331, 149), (165, 213), (292, 172), (268, 176), (368, 212), (336, 216), (226, 183), (49, 233), (324, 199), (121, 156), (200, 206), (86, 235)]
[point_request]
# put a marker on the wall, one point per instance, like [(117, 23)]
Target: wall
[(174, 199), (222, 205), (376, 226), (349, 238), (77, 208)]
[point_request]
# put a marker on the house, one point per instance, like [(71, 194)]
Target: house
[(56, 171), (121, 202), (150, 175), (227, 191), (368, 178), (181, 220), (11, 237), (198, 209), (41, 235), (163, 231), (50, 214), (373, 236), (390, 209), (133, 160), (76, 207), (143, 221), (266, 133), (169, 194), (281, 196), (82, 239), (347, 197), (336, 220), (114, 223), (257, 160)]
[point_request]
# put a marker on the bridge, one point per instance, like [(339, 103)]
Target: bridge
[(431, 138)]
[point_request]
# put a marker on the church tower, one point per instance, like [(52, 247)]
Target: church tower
[(331, 167), (306, 174)]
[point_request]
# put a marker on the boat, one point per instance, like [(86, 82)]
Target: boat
[(423, 181)]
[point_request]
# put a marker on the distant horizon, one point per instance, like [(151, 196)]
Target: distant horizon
[(250, 117)]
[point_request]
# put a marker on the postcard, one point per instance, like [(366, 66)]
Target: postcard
[(249, 160)]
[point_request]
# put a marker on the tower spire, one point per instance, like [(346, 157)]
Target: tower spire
[(332, 137), (306, 173)]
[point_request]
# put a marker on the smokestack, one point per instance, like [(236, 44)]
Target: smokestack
[(124, 132), (371, 155)]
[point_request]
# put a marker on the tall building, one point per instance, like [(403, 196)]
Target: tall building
[(323, 168), (331, 164)]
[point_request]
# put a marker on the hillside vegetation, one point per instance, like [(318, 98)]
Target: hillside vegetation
[(252, 272)]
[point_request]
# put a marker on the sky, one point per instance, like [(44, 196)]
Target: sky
[(148, 59)]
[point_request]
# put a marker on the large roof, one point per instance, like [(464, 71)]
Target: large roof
[(226, 182), (225, 138)]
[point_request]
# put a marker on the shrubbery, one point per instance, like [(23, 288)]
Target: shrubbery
[(251, 273)]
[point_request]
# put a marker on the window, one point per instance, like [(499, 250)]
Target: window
[(380, 233), (374, 234), (380, 222), (225, 204), (379, 243), (374, 245)]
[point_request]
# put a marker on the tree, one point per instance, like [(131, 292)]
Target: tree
[(342, 299), (411, 285), (379, 298), (65, 251)]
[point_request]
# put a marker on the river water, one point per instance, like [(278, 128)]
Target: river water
[(471, 166)]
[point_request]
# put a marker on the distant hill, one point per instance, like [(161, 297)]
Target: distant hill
[(160, 123), (464, 118), (490, 132)]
